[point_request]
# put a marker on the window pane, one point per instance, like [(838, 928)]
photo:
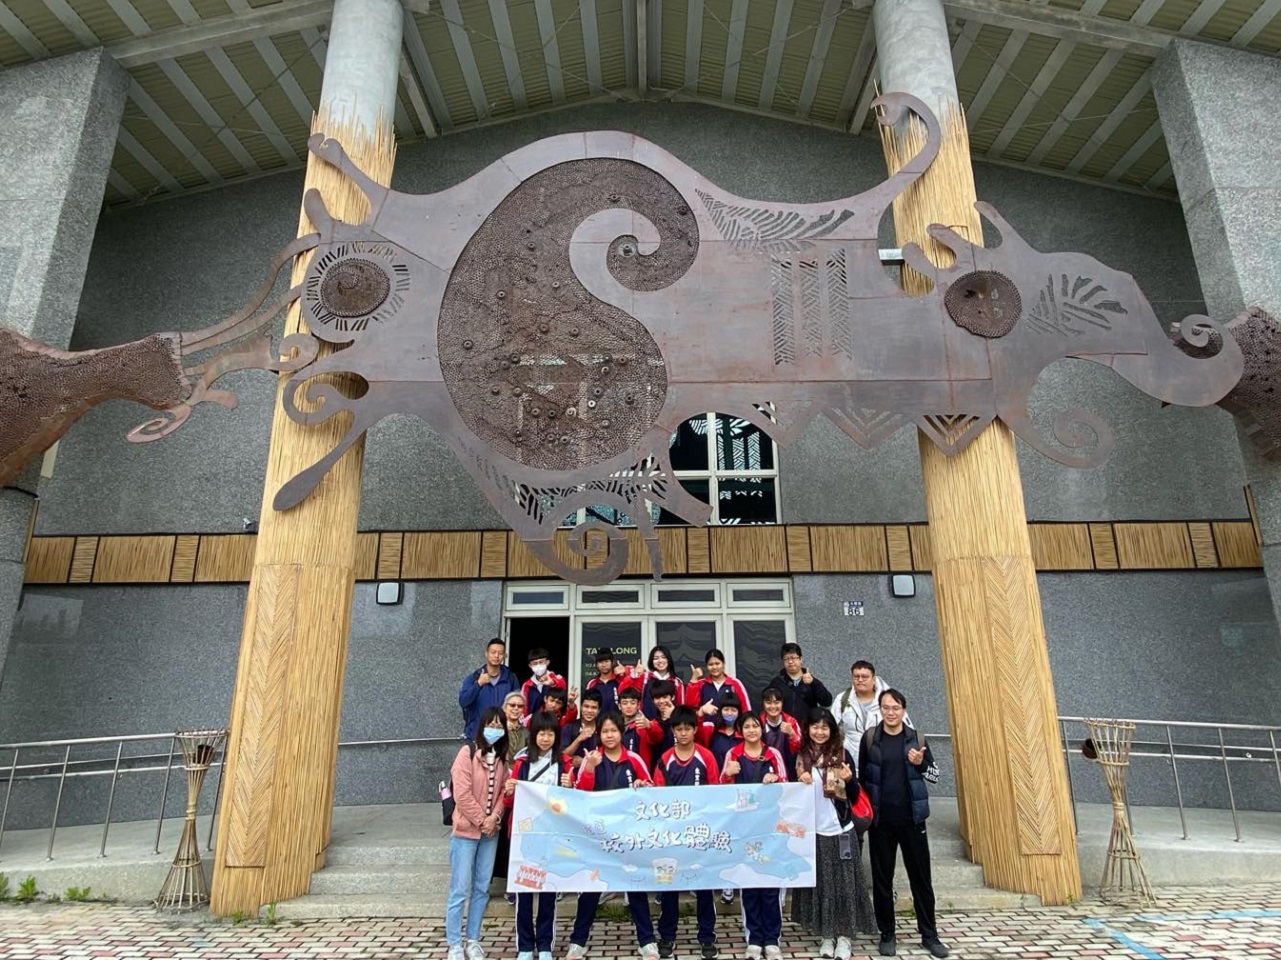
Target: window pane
[(741, 445), (686, 596), (689, 445), (621, 636), (528, 597), (747, 500), (698, 487), (611, 596), (756, 654), (688, 641), (761, 595)]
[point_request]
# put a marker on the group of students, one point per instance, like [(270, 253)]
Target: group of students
[(635, 728)]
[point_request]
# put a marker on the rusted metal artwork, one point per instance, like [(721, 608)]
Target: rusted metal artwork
[(1254, 400), (557, 317)]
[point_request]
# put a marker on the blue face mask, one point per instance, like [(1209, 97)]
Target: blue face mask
[(728, 719), (493, 735)]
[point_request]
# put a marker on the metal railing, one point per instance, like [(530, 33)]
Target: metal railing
[(52, 760)]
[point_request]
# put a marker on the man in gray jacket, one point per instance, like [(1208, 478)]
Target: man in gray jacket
[(859, 707)]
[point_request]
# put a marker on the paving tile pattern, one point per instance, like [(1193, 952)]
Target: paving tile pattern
[(1243, 923)]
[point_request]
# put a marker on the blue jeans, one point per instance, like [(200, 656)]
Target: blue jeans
[(471, 867)]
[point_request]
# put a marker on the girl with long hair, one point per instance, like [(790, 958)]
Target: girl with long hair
[(838, 906)]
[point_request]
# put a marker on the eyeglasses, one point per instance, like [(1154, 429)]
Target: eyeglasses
[(792, 659), (862, 676), (895, 708)]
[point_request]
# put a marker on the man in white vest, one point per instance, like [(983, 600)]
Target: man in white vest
[(859, 707)]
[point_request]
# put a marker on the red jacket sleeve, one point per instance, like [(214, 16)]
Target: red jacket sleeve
[(652, 734), (709, 760), (632, 680), (693, 690), (703, 735), (780, 768), (735, 752), (518, 768), (794, 741), (741, 690), (586, 779), (638, 765)]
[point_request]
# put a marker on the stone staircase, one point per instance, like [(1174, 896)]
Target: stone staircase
[(371, 874)]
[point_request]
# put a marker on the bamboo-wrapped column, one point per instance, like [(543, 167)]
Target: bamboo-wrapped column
[(282, 752), (1012, 784)]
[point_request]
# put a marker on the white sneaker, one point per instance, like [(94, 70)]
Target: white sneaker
[(544, 955), (753, 952), (575, 952), (843, 948), (525, 955), (773, 952), (825, 949), (455, 952), (649, 951), (474, 950)]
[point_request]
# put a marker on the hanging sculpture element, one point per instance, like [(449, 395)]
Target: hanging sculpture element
[(560, 314)]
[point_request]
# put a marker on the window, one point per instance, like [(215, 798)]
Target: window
[(727, 462)]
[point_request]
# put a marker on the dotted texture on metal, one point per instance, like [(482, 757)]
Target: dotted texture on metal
[(985, 303), (538, 367)]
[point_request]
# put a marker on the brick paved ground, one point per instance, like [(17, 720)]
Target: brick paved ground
[(1241, 924)]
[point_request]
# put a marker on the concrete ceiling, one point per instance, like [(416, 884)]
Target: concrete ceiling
[(224, 90)]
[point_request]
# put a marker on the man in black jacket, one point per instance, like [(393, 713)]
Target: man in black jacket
[(802, 691), (894, 767)]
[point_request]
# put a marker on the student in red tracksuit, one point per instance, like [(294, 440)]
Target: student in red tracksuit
[(703, 693), (642, 734), (754, 761), (719, 733), (660, 668), (782, 731), (612, 767), (609, 673), (687, 764), (578, 737), (665, 702), (537, 685), (540, 762)]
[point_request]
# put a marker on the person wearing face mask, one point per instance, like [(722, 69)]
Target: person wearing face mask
[(541, 678), (660, 669), (479, 778), (720, 732)]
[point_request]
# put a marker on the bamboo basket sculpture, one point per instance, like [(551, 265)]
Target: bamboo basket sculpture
[(1123, 873), (186, 887)]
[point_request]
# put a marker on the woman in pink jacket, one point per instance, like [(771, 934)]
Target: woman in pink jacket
[(479, 777)]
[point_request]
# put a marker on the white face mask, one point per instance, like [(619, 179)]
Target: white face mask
[(539, 669)]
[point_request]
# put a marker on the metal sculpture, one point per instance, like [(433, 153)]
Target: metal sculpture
[(560, 314)]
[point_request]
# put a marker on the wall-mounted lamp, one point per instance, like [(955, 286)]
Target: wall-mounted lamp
[(902, 585), (389, 593)]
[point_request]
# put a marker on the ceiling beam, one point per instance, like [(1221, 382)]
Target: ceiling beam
[(1135, 153), (630, 12), (551, 48), (415, 93), (774, 58), (1089, 87), (422, 66), (161, 121), (591, 45), (693, 44), (466, 58), (507, 50), (1161, 176), (278, 18), (818, 55), (995, 75), (861, 75), (1125, 106), (1063, 24), (642, 46), (1044, 77), (11, 25), (149, 163), (654, 42), (1254, 26), (734, 49)]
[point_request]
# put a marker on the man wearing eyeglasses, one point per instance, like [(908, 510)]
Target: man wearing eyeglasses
[(859, 708), (802, 691)]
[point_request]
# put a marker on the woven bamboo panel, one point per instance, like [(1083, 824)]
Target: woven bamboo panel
[(798, 550), (83, 556), (133, 559), (493, 554), (698, 550), (367, 556), (922, 555), (1236, 546), (1203, 550), (440, 556), (49, 559), (1061, 546), (225, 559), (671, 544), (522, 563), (849, 549), (185, 551), (898, 544), (389, 555), (1154, 546), (1104, 543), (748, 550)]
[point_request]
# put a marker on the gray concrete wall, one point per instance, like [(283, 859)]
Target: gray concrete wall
[(108, 661), (172, 265)]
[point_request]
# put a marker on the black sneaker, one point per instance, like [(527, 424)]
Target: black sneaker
[(709, 951), (727, 896), (666, 948), (887, 947), (936, 948)]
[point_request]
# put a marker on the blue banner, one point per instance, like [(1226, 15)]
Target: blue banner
[(662, 838)]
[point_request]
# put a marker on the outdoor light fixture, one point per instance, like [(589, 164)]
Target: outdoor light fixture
[(902, 585), (389, 593)]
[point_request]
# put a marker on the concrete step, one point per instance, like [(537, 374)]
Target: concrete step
[(397, 879), (424, 852)]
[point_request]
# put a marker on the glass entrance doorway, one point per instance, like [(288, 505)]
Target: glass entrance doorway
[(749, 620)]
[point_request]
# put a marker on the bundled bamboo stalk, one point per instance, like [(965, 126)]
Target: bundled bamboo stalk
[(1123, 875)]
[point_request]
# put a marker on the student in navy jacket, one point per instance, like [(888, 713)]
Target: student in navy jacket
[(540, 762), (687, 764), (754, 761), (612, 767), (782, 730), (703, 693), (642, 734), (660, 668), (609, 674)]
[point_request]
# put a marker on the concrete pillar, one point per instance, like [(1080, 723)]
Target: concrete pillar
[(1012, 787), (59, 122), (282, 752), (1218, 109)]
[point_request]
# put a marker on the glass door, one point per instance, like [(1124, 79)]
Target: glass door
[(623, 636), (757, 642), (688, 640)]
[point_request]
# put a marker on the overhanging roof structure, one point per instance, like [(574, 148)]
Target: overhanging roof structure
[(223, 90)]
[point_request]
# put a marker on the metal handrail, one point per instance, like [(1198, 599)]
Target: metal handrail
[(116, 765)]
